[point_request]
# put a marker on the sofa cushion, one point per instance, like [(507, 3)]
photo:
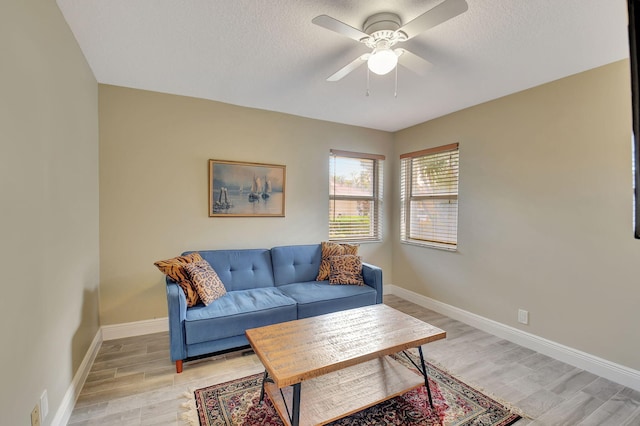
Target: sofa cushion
[(345, 269), (174, 269), (320, 297), (205, 280), (294, 264), (237, 311), (241, 269), (333, 249)]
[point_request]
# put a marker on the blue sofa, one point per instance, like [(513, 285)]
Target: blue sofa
[(263, 287)]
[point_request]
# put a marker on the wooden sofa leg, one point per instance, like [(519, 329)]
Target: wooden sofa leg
[(179, 366)]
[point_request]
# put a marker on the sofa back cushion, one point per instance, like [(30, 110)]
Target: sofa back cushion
[(294, 264), (241, 269)]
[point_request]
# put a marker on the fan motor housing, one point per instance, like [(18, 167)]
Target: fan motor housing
[(384, 21), (383, 28)]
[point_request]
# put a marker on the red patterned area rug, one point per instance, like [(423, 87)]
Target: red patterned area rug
[(236, 403)]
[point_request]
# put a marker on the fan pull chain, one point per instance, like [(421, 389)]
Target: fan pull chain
[(367, 81), (395, 90)]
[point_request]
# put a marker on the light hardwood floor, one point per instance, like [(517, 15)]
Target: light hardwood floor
[(133, 382)]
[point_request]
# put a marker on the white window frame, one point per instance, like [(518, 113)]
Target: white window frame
[(375, 232), (447, 240)]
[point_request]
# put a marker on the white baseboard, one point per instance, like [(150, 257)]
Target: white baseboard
[(63, 413), (138, 328), (615, 372)]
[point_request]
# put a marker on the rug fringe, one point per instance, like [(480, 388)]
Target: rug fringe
[(191, 415)]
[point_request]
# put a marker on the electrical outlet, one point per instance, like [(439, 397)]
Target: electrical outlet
[(523, 316), (44, 405), (35, 416)]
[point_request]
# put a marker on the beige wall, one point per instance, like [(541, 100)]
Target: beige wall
[(153, 187), (49, 191), (545, 216)]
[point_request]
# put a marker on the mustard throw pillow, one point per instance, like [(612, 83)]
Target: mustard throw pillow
[(174, 269)]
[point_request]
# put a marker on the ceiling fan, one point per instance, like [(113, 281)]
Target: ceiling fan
[(382, 31)]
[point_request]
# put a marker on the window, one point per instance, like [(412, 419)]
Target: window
[(355, 196), (429, 197)]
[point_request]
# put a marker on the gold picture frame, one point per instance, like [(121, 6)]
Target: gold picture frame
[(242, 189)]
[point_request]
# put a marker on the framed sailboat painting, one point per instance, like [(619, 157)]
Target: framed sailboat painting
[(239, 189)]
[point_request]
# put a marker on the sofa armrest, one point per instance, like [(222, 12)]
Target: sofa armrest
[(177, 311), (372, 276)]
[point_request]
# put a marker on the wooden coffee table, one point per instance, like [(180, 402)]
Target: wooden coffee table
[(323, 368)]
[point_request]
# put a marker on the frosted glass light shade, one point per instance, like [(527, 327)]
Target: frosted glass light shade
[(382, 61)]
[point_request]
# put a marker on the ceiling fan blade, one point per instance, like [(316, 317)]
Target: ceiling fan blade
[(439, 14), (349, 67), (413, 62), (339, 27)]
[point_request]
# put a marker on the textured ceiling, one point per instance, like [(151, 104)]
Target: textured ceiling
[(267, 54)]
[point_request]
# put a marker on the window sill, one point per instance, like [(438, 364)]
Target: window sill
[(436, 246), (355, 241)]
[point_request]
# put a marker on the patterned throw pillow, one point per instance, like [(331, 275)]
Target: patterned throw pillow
[(206, 281), (333, 249), (174, 268), (345, 269)]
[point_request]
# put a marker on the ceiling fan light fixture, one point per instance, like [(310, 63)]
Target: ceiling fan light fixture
[(384, 30), (382, 61)]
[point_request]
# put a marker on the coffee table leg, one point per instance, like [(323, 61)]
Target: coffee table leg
[(426, 378), (295, 415), (264, 380)]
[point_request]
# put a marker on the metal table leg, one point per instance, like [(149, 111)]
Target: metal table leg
[(265, 379), (422, 368), (426, 378), (295, 415)]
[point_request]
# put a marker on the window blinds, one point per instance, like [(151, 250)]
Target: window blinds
[(355, 196), (429, 196)]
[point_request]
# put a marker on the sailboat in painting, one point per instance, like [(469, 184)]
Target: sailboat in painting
[(256, 188), (266, 193), (223, 202)]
